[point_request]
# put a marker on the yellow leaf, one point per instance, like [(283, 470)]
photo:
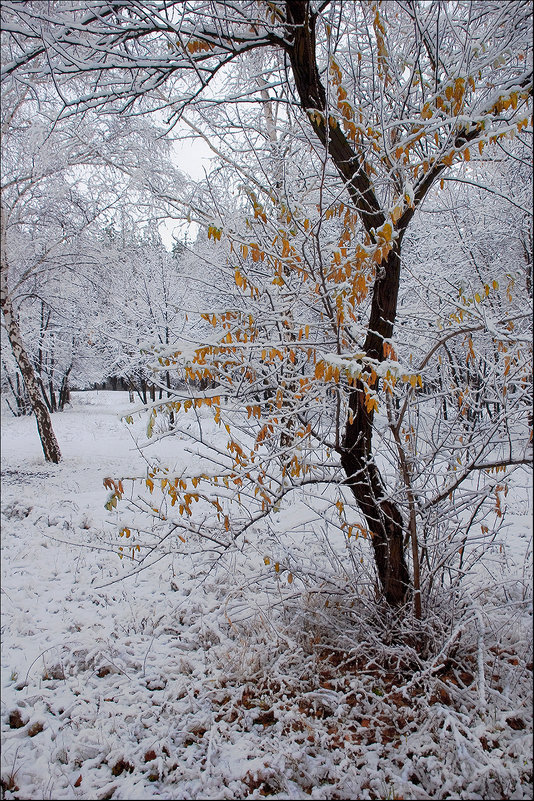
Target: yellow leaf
[(459, 88), (396, 213), (426, 113), (386, 232), (371, 404)]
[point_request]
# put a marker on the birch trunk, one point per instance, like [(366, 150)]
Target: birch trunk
[(48, 439)]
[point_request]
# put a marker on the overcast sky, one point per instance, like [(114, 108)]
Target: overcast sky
[(192, 156)]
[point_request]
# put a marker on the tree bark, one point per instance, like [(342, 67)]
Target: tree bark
[(48, 439), (383, 516), (64, 392)]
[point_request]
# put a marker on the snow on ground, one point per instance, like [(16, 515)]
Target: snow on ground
[(190, 682)]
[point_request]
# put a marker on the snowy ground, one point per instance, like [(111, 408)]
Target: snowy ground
[(183, 682)]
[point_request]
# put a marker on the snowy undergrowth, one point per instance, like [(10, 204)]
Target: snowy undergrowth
[(197, 679)]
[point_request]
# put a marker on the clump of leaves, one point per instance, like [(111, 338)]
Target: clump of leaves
[(16, 720), (35, 728), (120, 766)]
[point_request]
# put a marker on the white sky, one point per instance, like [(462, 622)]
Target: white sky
[(192, 156)]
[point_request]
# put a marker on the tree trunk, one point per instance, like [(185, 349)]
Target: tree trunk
[(22, 404), (44, 424), (49, 442), (383, 517), (64, 392)]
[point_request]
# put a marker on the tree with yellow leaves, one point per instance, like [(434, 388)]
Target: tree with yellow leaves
[(366, 108)]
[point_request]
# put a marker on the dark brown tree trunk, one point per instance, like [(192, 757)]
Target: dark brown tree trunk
[(49, 442), (22, 404), (64, 392), (143, 393), (383, 516)]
